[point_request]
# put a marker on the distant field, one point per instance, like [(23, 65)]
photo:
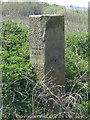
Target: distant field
[(75, 20)]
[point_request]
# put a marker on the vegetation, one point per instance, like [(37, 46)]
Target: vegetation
[(19, 79), (17, 73), (20, 11), (23, 94), (76, 68)]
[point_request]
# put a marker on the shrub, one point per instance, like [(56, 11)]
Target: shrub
[(17, 73), (76, 69), (24, 96), (76, 58)]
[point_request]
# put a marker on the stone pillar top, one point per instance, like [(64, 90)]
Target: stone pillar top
[(45, 15)]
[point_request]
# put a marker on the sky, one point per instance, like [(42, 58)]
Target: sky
[(80, 3)]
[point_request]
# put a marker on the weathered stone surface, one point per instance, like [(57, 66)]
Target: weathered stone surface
[(47, 46)]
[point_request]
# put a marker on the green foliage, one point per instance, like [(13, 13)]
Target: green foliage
[(21, 9), (76, 67), (17, 73), (19, 78), (85, 108), (75, 20), (76, 55), (53, 9)]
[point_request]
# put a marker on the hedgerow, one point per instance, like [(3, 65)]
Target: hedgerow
[(24, 95), (17, 73)]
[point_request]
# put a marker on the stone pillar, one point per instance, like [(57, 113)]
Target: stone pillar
[(47, 46)]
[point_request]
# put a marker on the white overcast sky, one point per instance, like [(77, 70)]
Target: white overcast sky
[(81, 3)]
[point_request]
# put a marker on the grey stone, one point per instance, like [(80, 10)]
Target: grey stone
[(47, 47)]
